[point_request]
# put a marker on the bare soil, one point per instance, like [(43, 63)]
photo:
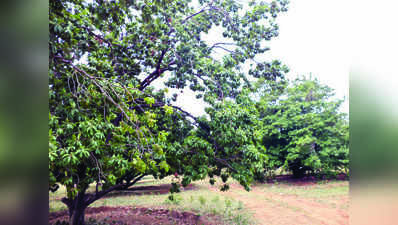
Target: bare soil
[(138, 216), (273, 208), (268, 207)]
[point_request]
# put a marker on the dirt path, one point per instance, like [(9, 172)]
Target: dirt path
[(273, 208)]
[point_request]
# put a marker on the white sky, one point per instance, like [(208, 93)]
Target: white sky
[(375, 54), (312, 39)]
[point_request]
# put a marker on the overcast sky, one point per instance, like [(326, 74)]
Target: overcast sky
[(312, 39)]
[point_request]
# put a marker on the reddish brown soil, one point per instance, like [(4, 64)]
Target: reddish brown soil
[(283, 209), (142, 216), (138, 216)]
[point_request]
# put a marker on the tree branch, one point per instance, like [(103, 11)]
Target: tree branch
[(155, 74), (225, 49), (197, 13), (221, 43), (93, 79), (161, 104), (225, 162), (135, 181), (100, 194), (185, 112)]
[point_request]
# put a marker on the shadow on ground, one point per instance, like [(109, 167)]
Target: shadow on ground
[(149, 190), (307, 180)]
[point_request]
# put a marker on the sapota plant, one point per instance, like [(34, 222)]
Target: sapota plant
[(303, 128), (109, 127)]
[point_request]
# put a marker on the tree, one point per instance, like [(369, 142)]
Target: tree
[(108, 126), (304, 130)]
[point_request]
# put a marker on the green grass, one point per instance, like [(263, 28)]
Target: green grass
[(201, 201), (322, 192), (319, 190)]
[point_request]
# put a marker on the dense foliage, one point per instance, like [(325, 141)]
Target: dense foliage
[(108, 126), (303, 128)]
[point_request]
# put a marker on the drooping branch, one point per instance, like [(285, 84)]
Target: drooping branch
[(93, 79), (129, 184), (93, 197), (185, 112), (141, 105)]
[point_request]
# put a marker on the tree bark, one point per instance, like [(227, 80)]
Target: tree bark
[(76, 207), (76, 216)]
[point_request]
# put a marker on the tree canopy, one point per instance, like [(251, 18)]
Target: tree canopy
[(303, 127), (109, 126)]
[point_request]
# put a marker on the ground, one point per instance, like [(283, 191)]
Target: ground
[(137, 216), (283, 201), (296, 203)]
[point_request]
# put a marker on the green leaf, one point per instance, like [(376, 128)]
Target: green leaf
[(149, 100), (164, 166)]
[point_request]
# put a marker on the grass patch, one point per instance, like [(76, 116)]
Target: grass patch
[(322, 192), (318, 190), (201, 201)]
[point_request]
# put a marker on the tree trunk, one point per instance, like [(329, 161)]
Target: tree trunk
[(76, 216), (298, 173), (77, 207), (298, 170)]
